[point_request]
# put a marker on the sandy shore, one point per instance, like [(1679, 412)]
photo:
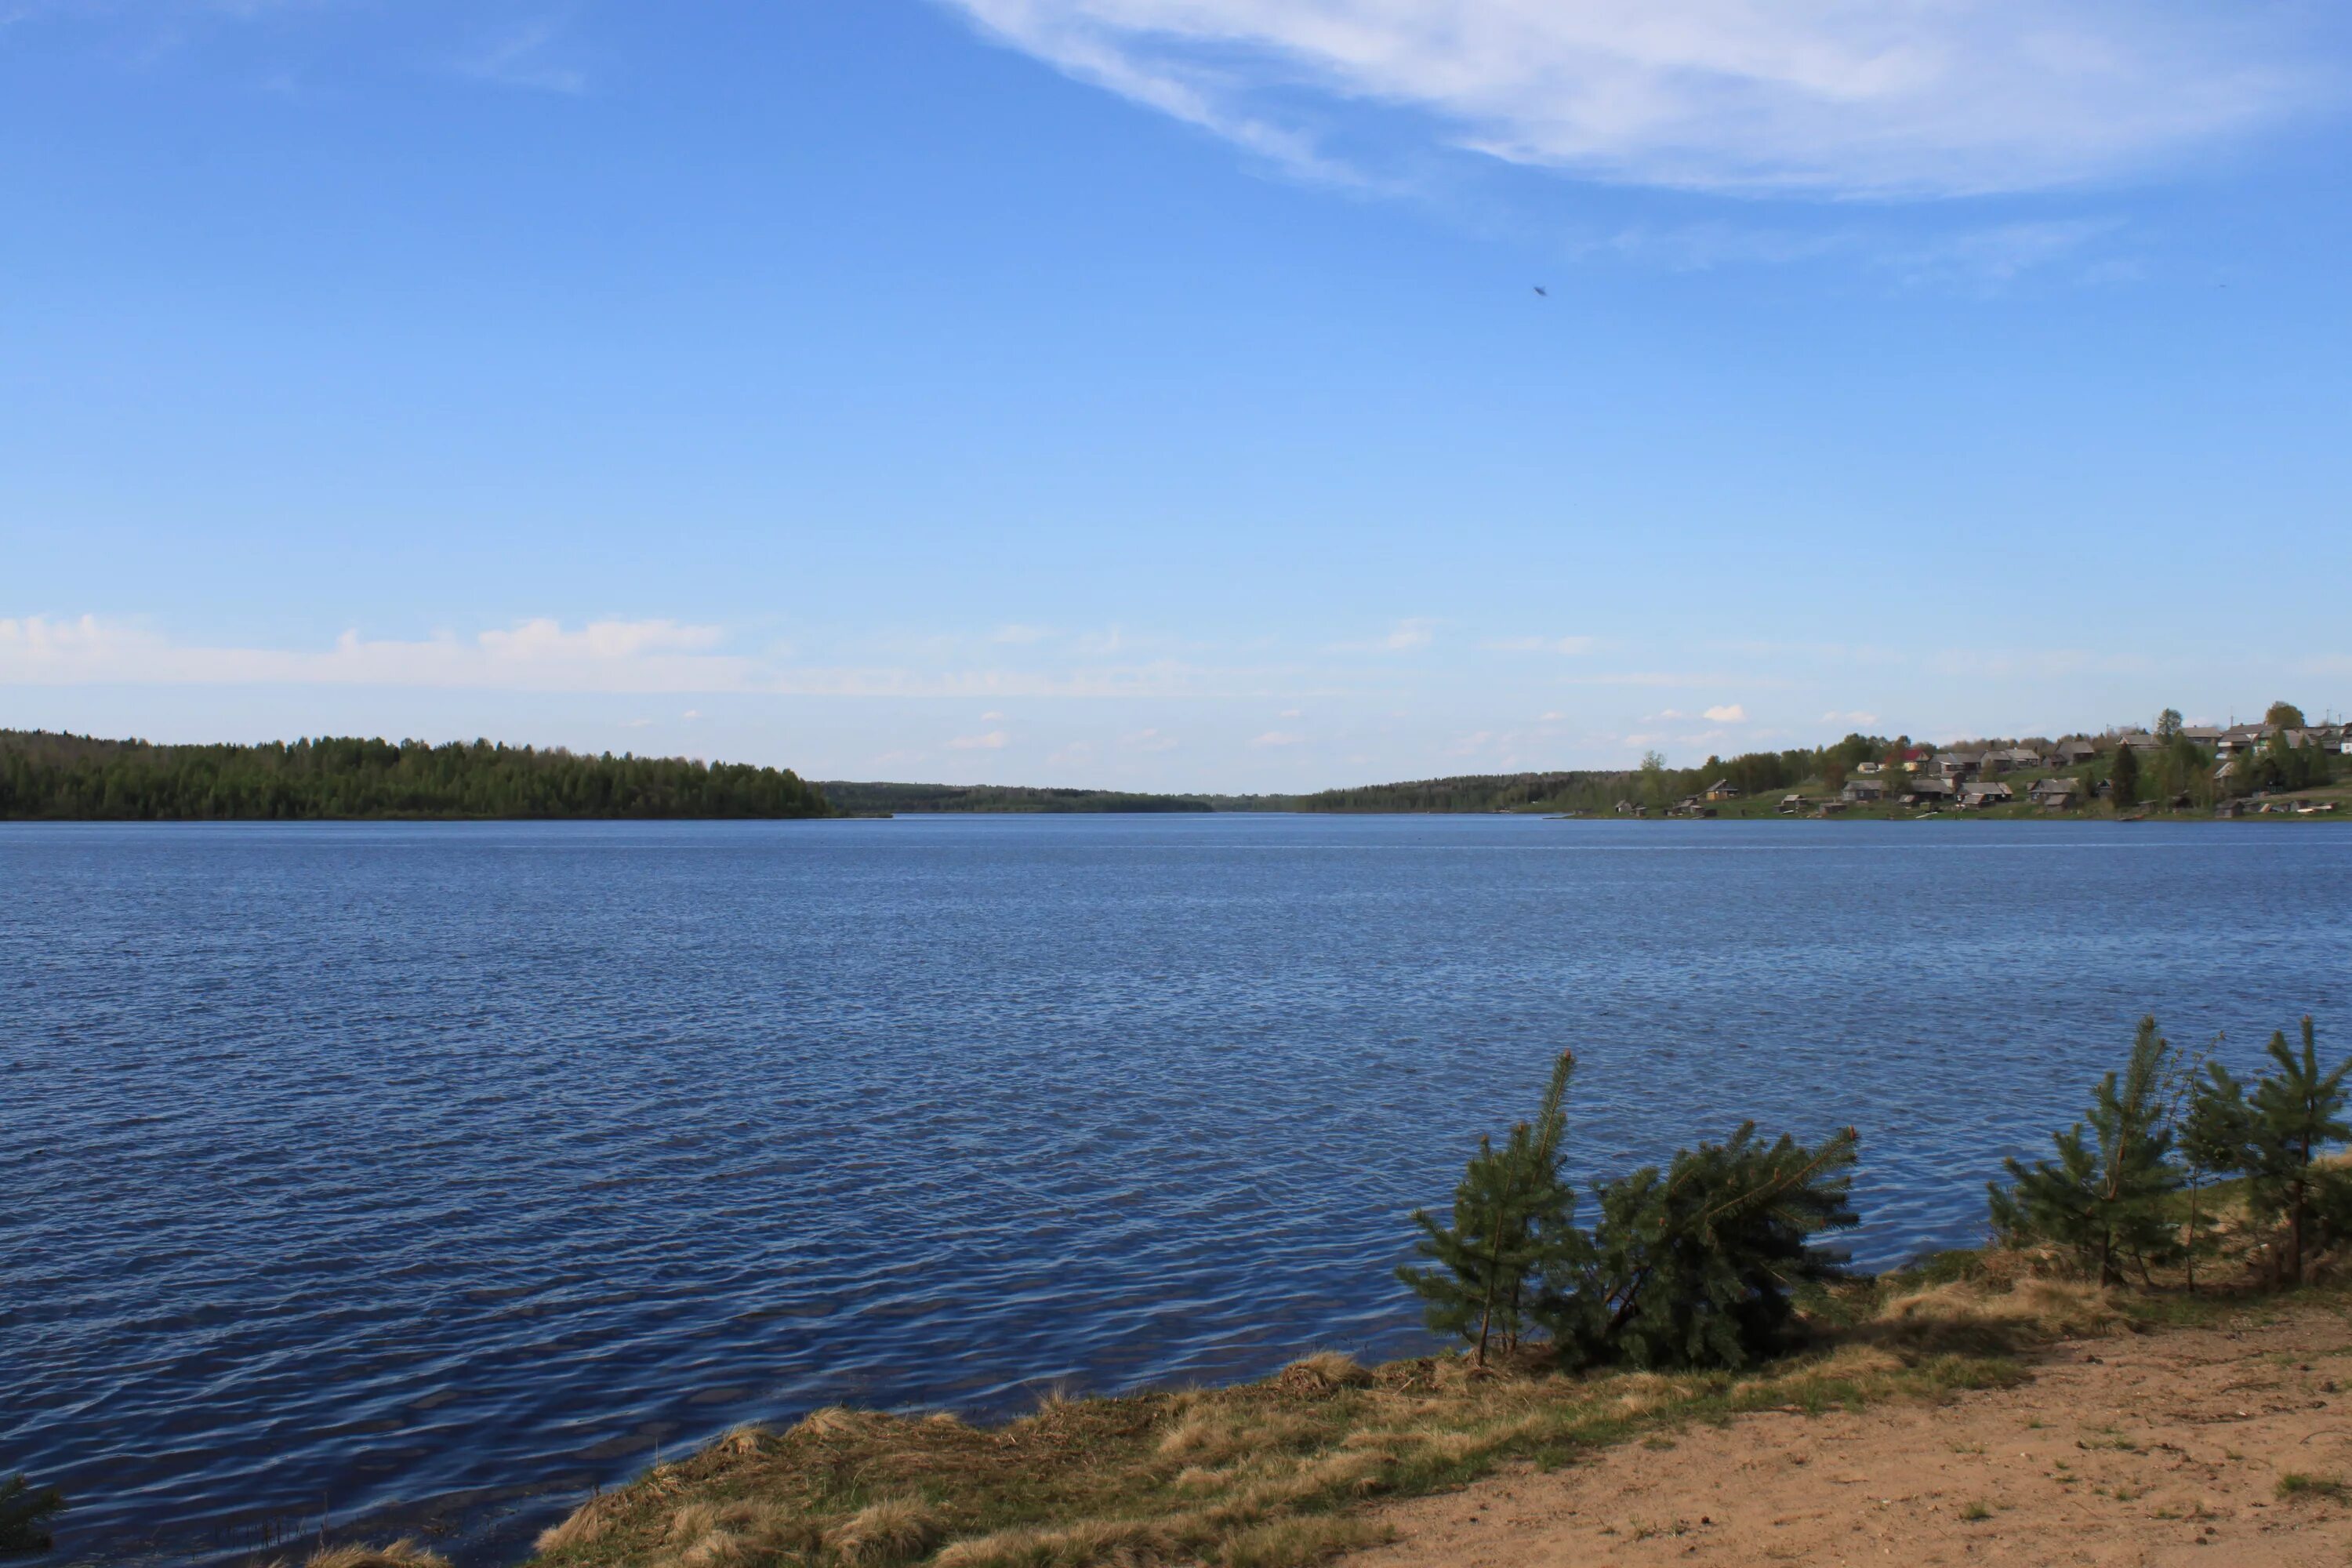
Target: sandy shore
[(2156, 1449)]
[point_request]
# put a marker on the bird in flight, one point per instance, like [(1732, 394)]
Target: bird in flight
[(1542, 291)]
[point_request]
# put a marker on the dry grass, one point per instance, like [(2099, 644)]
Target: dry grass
[(2040, 1308), (399, 1554), (1273, 1474), (1264, 1475)]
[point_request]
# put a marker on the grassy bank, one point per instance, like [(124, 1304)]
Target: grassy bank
[(1275, 1472)]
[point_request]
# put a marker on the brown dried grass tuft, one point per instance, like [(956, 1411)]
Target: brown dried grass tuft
[(1325, 1371), (401, 1553), (896, 1530), (1091, 1544), (2033, 1306), (590, 1521), (833, 1420), (1294, 1543)]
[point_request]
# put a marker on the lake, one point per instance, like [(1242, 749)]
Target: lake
[(440, 1172)]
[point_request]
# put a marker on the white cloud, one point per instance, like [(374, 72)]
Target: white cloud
[(1834, 717), (994, 741), (532, 655), (990, 717), (1278, 738), (1825, 96), (1019, 636), (1416, 631), (525, 57), (543, 654), (1640, 678), (1149, 741), (1543, 645), (1726, 713)]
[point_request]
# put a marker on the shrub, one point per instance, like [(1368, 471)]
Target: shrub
[(1693, 1266), (24, 1512), (2270, 1132), (2105, 1197), (1513, 1221)]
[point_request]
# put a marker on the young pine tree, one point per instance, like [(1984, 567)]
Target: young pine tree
[(24, 1512), (2105, 1198), (2208, 1142), (1513, 1222), (1694, 1265), (2271, 1134)]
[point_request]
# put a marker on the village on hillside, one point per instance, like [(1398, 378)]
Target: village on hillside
[(2282, 766)]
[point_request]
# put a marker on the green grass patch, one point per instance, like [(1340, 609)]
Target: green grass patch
[(2295, 1485)]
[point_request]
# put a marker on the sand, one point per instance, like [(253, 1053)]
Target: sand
[(2156, 1449)]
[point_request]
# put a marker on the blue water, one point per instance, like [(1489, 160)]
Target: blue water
[(434, 1174)]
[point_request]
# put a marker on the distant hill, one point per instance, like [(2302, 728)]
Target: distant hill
[(872, 799), (1475, 792), (58, 776), (1484, 792)]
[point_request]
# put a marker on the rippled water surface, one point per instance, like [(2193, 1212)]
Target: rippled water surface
[(448, 1170)]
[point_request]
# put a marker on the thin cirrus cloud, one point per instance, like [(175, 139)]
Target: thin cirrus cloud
[(1413, 632), (532, 655), (1544, 645), (544, 654), (525, 57), (1833, 97), (994, 741)]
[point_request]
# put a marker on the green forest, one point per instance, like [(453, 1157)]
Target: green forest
[(876, 799), (45, 775)]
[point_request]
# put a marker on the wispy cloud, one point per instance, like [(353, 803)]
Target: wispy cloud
[(1576, 644), (524, 57), (994, 741), (1414, 631), (1279, 738), (532, 655), (1664, 677), (610, 655), (1019, 636), (1968, 256), (1726, 713), (1815, 96)]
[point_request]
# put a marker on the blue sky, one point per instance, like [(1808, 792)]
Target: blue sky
[(1155, 394)]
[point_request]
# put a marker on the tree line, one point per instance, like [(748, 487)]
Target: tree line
[(873, 799), (45, 775)]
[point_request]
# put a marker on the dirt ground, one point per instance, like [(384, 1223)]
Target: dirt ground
[(2156, 1449)]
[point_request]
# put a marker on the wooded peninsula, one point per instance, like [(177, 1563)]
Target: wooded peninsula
[(45, 775)]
